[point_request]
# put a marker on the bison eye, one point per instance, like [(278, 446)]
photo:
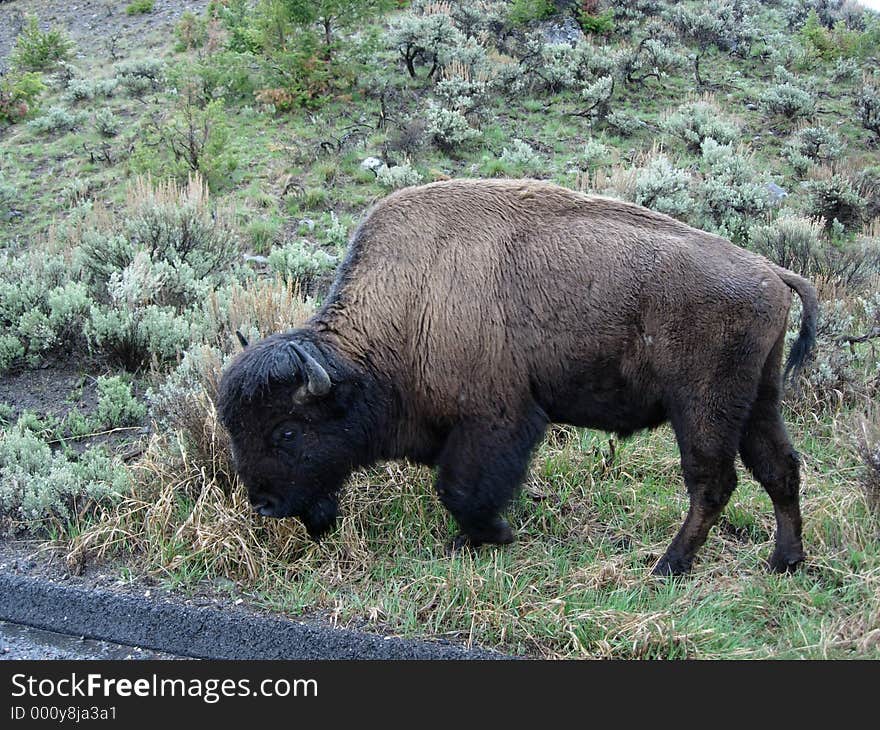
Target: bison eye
[(284, 434)]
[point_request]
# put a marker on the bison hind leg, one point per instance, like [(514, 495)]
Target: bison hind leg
[(708, 432), (768, 453)]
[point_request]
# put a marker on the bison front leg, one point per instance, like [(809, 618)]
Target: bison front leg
[(480, 469)]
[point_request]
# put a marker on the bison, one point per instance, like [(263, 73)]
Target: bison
[(467, 315)]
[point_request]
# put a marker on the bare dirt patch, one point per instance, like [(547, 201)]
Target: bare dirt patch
[(94, 24)]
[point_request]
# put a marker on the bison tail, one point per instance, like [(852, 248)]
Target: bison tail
[(806, 341)]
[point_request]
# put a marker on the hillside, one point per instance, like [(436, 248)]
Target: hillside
[(172, 172)]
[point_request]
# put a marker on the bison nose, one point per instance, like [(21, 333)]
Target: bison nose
[(264, 505)]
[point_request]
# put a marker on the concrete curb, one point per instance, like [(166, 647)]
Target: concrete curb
[(200, 632)]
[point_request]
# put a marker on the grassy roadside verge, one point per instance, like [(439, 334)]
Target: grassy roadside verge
[(154, 201)]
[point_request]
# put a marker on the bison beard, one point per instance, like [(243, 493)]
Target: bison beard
[(468, 315)]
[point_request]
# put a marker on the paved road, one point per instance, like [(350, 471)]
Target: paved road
[(132, 624), (24, 642)]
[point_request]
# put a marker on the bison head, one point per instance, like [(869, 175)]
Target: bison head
[(290, 407)]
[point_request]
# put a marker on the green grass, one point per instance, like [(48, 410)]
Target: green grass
[(139, 7)]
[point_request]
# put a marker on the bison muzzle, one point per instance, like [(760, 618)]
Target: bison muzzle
[(468, 315)]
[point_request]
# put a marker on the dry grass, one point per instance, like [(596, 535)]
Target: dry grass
[(256, 309), (868, 444)]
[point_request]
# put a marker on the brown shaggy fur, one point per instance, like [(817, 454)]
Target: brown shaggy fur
[(472, 313)]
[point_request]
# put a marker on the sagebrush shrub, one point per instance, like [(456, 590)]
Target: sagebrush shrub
[(521, 156), (300, 262), (185, 240), (839, 374), (40, 488), (868, 106), (135, 336), (478, 19), (629, 13), (88, 89), (815, 144), (465, 94), (836, 199), (595, 102), (139, 76), (661, 186), (398, 176), (448, 128), (652, 57), (57, 119), (425, 40), (733, 191), (801, 244), (117, 407), (789, 241), (107, 123), (846, 69), (184, 400), (40, 308), (594, 154), (790, 96), (696, 121)]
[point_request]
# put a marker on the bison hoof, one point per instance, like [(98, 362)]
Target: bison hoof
[(461, 543), (782, 561), (671, 567), (497, 533)]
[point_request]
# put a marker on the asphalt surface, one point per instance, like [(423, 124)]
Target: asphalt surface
[(24, 642), (104, 623)]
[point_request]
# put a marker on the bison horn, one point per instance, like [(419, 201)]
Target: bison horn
[(317, 380), (241, 339)]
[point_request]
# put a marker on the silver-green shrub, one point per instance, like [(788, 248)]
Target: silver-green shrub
[(868, 107), (40, 307), (661, 186), (811, 145), (398, 176), (424, 40), (139, 76), (733, 191), (836, 199), (301, 262), (136, 336), (40, 487), (696, 121), (521, 156), (789, 96), (801, 244), (57, 119), (88, 89), (448, 128), (107, 123), (117, 407)]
